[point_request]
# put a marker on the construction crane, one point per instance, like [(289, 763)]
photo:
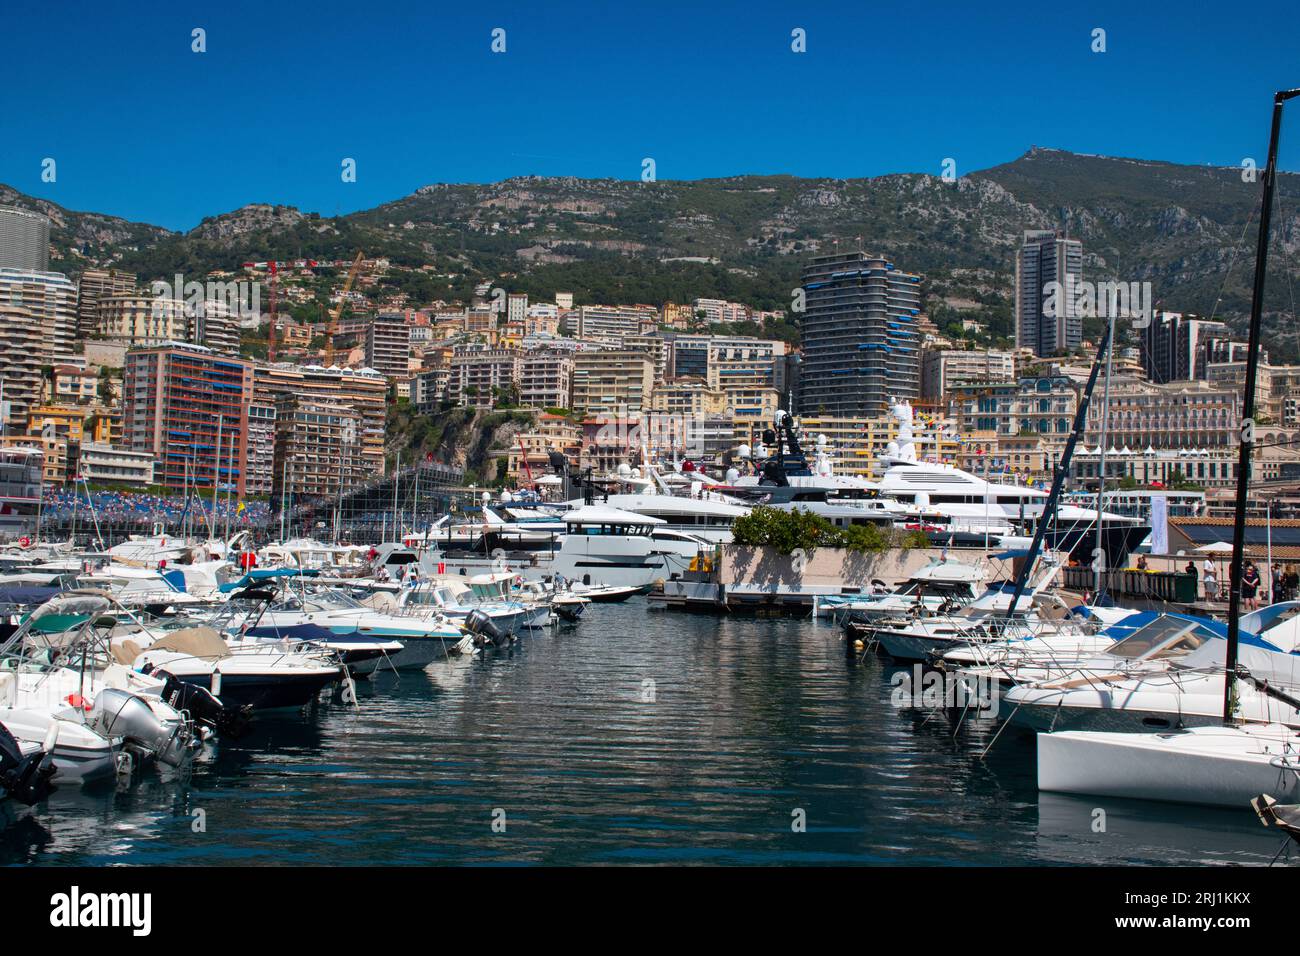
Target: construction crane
[(335, 313)]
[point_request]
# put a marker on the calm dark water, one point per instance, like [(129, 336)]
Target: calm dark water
[(747, 727)]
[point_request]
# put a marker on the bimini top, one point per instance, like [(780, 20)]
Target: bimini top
[(265, 574), (949, 571), (601, 514)]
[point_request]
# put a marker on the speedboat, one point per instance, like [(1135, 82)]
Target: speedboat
[(941, 587), (604, 594), (81, 754), (263, 614), (360, 653), (1217, 765), (455, 598), (1165, 674), (60, 667), (252, 674)]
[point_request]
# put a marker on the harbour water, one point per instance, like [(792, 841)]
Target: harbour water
[(639, 737)]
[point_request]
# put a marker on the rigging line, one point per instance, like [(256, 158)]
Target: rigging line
[(1233, 260), (1286, 255)]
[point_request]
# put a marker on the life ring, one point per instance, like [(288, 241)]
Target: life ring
[(24, 542)]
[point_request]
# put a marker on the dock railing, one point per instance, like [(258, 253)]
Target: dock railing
[(1175, 587)]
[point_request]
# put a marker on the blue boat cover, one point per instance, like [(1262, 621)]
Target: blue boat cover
[(256, 576), (26, 594)]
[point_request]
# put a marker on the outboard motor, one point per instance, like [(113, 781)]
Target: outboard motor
[(228, 722), (570, 611), (119, 713), (485, 631), (26, 779)]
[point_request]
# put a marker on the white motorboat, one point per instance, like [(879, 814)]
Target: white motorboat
[(1216, 765), (1165, 674), (82, 755), (940, 587), (701, 518), (601, 546), (455, 598), (250, 674), (59, 667), (925, 631), (367, 637), (601, 593)]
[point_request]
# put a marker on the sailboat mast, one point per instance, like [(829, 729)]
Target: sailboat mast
[(397, 472), (1058, 479), (216, 481), (1099, 568), (1248, 410)]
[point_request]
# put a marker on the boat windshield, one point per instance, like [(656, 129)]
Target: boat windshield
[(432, 597), (1163, 637), (333, 600)]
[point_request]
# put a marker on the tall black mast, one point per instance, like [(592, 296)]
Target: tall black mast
[(1248, 410), (1058, 479)]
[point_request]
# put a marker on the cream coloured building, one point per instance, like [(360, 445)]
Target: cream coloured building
[(612, 383)]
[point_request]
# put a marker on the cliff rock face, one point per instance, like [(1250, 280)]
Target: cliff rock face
[(468, 438), (1181, 227), (232, 226)]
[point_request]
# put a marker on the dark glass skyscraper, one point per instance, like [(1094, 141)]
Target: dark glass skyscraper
[(1049, 324), (1173, 346), (860, 344)]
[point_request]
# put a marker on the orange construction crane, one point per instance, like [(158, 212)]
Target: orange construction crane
[(335, 313)]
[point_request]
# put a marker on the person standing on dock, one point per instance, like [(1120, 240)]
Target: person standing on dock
[(1250, 582), (1210, 573)]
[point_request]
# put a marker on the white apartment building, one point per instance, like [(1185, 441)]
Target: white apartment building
[(108, 464), (942, 368), (545, 379), (478, 375), (51, 297)]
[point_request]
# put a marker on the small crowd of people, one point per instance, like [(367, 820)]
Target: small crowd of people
[(1282, 585)]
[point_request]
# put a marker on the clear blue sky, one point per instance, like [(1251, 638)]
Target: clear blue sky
[(144, 128)]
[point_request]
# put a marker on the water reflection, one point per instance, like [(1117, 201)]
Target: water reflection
[(637, 737)]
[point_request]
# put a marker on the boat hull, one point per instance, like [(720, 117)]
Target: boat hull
[(80, 755), (265, 691), (1192, 767)]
